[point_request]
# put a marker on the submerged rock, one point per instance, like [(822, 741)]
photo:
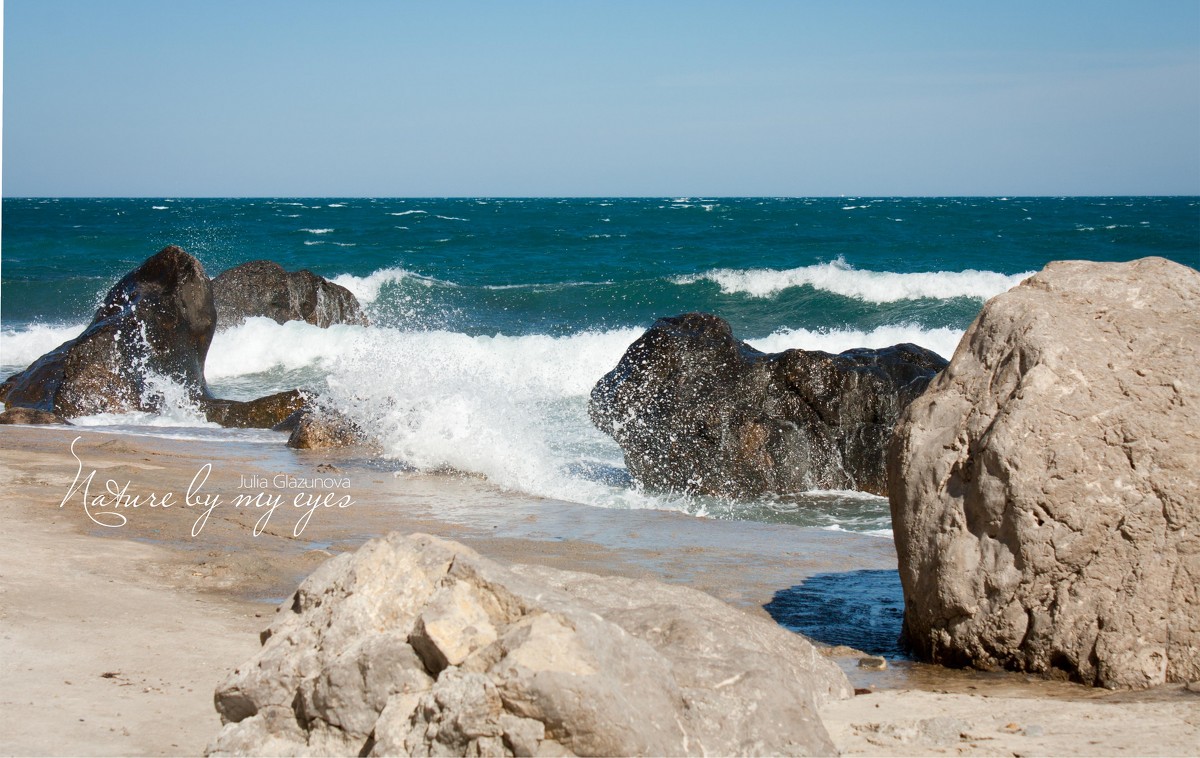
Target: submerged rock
[(264, 288), (419, 646), (1045, 490), (696, 410), (144, 350)]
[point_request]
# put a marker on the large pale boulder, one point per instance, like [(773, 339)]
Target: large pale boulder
[(1045, 489), (419, 646), (696, 410)]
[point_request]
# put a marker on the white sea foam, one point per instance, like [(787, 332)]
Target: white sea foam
[(513, 409), (366, 288), (510, 408), (841, 278), (260, 345), (942, 341), (406, 213), (317, 231), (21, 347)]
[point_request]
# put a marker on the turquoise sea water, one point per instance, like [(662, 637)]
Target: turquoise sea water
[(492, 318)]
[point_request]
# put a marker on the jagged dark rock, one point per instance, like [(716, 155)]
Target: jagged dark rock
[(696, 410), (264, 288), (144, 348), (156, 323)]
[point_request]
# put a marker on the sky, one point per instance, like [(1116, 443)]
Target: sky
[(573, 98)]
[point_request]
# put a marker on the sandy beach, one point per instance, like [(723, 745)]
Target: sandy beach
[(115, 636)]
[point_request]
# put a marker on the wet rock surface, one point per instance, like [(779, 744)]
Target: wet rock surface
[(1045, 488), (696, 410), (143, 351), (317, 428), (150, 335)]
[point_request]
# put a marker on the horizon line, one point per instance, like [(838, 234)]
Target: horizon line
[(589, 197)]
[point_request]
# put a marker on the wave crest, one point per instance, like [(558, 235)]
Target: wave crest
[(367, 288), (843, 279)]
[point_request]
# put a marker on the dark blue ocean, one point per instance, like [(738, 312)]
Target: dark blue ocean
[(492, 318)]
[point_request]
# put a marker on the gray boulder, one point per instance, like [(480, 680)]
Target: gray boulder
[(696, 410), (1045, 489), (264, 288), (419, 646)]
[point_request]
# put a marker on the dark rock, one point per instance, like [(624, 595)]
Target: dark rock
[(313, 429), (31, 416), (157, 322), (261, 413), (148, 340), (1044, 489), (695, 410), (263, 288), (6, 385)]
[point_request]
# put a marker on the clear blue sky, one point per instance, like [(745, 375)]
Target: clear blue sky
[(745, 97)]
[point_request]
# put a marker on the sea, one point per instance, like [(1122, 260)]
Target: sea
[(492, 318)]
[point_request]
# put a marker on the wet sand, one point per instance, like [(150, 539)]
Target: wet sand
[(115, 637)]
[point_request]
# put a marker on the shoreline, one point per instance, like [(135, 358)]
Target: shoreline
[(190, 611)]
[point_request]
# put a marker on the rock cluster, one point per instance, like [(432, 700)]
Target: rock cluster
[(264, 288), (419, 646), (144, 349), (696, 410), (1045, 490)]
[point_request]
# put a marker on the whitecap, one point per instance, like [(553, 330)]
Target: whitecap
[(24, 345), (366, 288), (943, 340), (841, 278)]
